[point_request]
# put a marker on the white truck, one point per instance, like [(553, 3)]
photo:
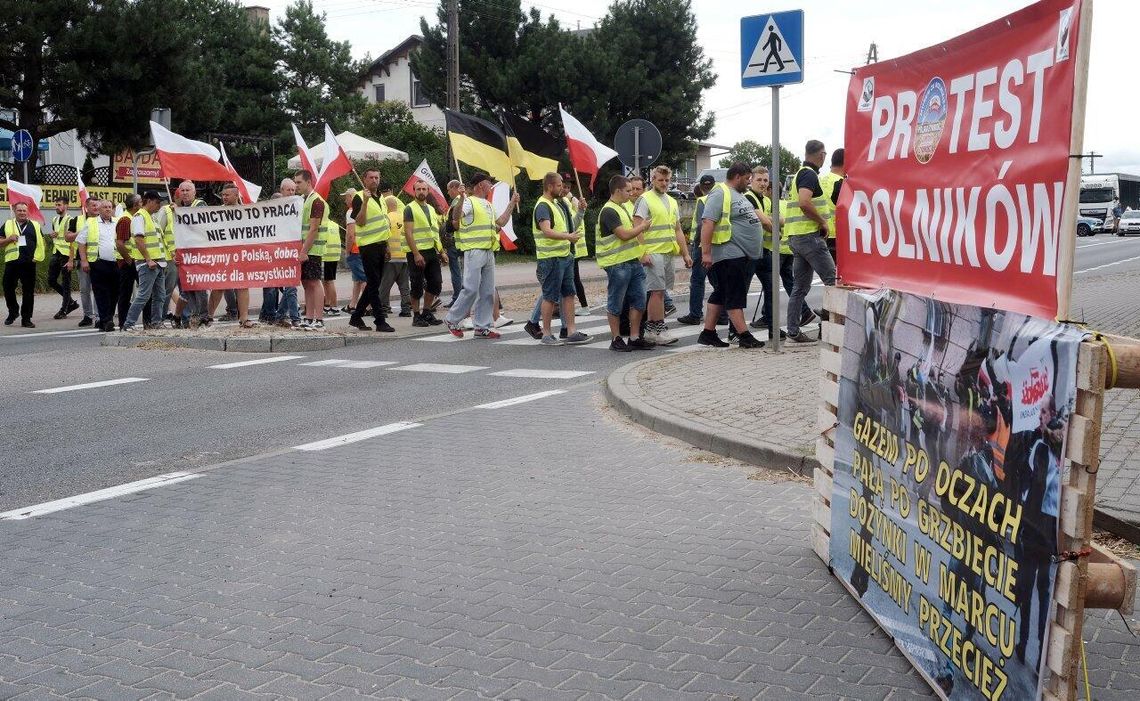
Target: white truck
[(1100, 192)]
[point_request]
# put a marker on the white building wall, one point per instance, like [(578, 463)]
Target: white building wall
[(396, 78)]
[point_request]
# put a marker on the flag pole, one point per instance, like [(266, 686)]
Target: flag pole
[(579, 182)]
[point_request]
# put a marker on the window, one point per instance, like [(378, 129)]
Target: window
[(418, 98), (379, 92)]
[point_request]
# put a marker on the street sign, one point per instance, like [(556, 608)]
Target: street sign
[(772, 49), (22, 145), (638, 143)]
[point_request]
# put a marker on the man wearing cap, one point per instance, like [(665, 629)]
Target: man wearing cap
[(477, 236), (698, 273)]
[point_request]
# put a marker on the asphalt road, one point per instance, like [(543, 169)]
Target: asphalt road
[(187, 414)]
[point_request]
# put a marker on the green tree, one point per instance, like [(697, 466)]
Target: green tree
[(755, 154), (320, 76), (392, 124)]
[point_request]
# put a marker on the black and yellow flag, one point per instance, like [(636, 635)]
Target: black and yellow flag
[(480, 144), (531, 147)]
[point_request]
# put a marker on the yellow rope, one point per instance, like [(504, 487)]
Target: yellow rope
[(1085, 667), (1111, 360)]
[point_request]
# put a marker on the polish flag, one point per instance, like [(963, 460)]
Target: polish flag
[(501, 202), (185, 158), (248, 191), (22, 193), (303, 152), (334, 163), (82, 188), (587, 154), (423, 173)]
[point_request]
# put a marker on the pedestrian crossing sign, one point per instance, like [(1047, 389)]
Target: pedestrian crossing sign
[(772, 49)]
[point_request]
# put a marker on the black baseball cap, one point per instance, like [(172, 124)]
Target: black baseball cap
[(708, 180), (480, 177)]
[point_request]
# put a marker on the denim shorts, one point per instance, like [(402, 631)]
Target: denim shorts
[(557, 278), (356, 267), (625, 283)]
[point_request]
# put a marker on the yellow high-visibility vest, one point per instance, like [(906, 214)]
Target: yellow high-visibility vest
[(797, 223), (318, 248), (661, 237), (481, 233), (547, 247), (611, 250), (12, 250)]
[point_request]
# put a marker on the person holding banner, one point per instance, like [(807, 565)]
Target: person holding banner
[(231, 197), (23, 246), (150, 265), (425, 256), (314, 223), (372, 232), (99, 251), (192, 303), (477, 236), (59, 275), (806, 229)]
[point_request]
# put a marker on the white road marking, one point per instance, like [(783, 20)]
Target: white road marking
[(678, 332), (322, 363), (36, 334), (1107, 265), (92, 497), (441, 367), (363, 364), (521, 400), (528, 341), (259, 361), (542, 374), (358, 436), (91, 385), (517, 327)]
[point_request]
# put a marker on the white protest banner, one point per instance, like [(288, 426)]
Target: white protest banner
[(246, 246)]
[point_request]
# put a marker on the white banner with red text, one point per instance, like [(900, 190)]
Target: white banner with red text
[(245, 246)]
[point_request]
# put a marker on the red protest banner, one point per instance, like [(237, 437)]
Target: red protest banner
[(245, 246), (960, 185)]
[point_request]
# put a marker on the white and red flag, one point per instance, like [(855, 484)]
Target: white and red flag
[(334, 163), (23, 193), (303, 152), (501, 202), (423, 173), (587, 154), (82, 188), (185, 158), (249, 191)]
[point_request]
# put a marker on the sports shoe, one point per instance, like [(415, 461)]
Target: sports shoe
[(689, 320), (533, 330), (305, 325), (670, 308), (72, 306), (431, 318), (489, 334), (227, 317), (357, 322), (641, 344), (86, 321), (619, 345), (503, 321), (582, 311), (747, 340), (577, 338), (649, 335), (455, 329), (332, 311), (420, 321), (801, 338), (27, 324), (664, 338), (562, 333), (347, 309), (709, 338), (59, 315), (318, 325), (404, 313), (10, 320), (468, 324), (550, 341), (384, 327), (807, 316), (732, 335)]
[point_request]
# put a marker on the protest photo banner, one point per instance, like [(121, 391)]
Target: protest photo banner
[(946, 493), (960, 184), (244, 246)]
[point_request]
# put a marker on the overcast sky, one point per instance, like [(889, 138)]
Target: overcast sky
[(838, 34)]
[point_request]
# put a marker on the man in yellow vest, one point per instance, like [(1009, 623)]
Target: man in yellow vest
[(663, 241), (90, 211), (372, 234), (698, 274), (314, 226), (425, 256), (806, 232), (334, 248), (620, 253), (832, 183), (730, 247), (555, 231), (581, 249), (150, 263), (396, 269), (23, 246), (477, 236), (760, 194), (99, 250), (59, 275)]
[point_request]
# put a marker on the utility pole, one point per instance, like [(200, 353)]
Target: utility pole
[(1092, 156), (873, 54), (452, 65)]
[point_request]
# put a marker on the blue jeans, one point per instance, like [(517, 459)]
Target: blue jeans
[(625, 284), (152, 287), (556, 275), (478, 289), (287, 308), (356, 267), (454, 264), (269, 301), (697, 277)]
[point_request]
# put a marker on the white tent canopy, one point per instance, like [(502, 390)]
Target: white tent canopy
[(357, 148)]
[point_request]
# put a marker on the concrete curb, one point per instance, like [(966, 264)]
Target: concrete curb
[(242, 344), (619, 389)]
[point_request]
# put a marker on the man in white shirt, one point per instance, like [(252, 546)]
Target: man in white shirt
[(97, 259)]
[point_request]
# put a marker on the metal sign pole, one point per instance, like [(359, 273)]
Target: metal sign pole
[(637, 150), (774, 329)]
